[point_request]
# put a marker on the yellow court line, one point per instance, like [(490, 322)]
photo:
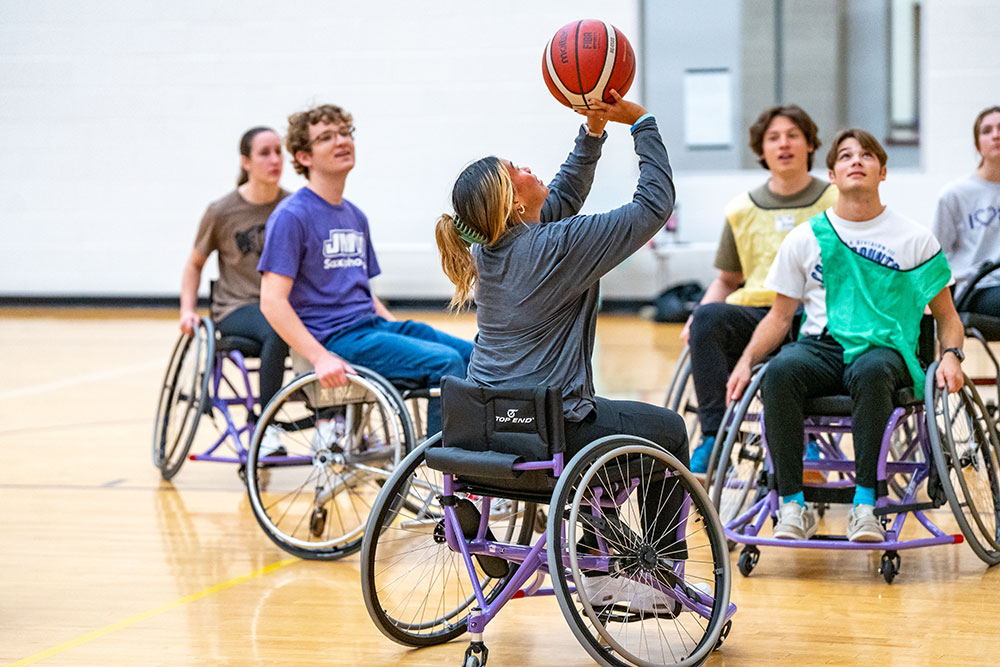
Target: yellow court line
[(138, 618)]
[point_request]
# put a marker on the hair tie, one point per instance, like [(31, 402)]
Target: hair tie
[(468, 234)]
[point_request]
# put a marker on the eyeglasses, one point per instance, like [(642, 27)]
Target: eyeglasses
[(329, 135)]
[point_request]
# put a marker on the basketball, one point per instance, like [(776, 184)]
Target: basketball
[(586, 59)]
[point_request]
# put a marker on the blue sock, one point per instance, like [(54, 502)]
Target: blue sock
[(794, 498), (864, 496)]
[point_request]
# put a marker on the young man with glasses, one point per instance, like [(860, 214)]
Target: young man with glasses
[(317, 264)]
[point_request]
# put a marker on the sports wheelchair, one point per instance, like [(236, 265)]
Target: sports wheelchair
[(339, 445), (941, 449), (208, 376), (681, 397), (984, 329), (447, 543)]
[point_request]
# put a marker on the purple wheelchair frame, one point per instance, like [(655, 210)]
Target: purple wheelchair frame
[(533, 560), (745, 528), (244, 397)]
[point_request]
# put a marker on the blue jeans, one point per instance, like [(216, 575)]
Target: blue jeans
[(404, 350)]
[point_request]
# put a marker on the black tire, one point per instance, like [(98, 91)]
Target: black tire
[(967, 455), (416, 589), (748, 559), (183, 398), (693, 569), (889, 566), (682, 399), (742, 455), (339, 445)]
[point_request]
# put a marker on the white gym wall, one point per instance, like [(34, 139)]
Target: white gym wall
[(119, 122)]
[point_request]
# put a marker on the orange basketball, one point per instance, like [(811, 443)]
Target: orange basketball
[(584, 60)]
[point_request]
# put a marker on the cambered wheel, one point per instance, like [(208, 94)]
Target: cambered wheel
[(339, 447), (967, 455), (742, 456), (681, 397), (623, 497), (183, 398), (416, 589)]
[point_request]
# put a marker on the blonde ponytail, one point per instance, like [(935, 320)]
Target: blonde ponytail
[(456, 261), (483, 198)]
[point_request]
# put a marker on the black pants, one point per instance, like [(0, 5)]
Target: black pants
[(814, 366), (662, 426), (986, 301), (719, 333), (249, 322)]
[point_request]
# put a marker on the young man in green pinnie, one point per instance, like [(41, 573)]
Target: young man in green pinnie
[(864, 275)]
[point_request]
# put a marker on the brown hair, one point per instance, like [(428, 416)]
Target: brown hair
[(483, 199), (867, 141), (792, 112), (246, 143), (298, 130), (978, 124)]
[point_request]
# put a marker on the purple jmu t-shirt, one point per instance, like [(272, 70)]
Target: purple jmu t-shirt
[(326, 251)]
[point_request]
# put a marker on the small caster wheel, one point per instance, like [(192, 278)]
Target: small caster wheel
[(475, 655), (889, 567), (317, 522), (748, 559), (725, 633), (242, 472), (821, 509)]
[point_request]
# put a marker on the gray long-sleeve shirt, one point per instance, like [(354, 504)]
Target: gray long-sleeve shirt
[(538, 285)]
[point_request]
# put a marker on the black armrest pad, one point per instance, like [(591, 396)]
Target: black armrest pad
[(464, 462)]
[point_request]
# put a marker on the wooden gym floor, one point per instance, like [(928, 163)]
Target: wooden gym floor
[(103, 563)]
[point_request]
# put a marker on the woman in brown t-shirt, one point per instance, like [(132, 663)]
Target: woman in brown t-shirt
[(233, 226)]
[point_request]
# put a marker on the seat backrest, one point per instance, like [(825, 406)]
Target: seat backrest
[(526, 422), (926, 347)]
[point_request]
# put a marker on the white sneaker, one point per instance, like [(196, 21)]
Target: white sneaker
[(325, 435), (795, 522), (271, 445), (604, 590), (863, 525)]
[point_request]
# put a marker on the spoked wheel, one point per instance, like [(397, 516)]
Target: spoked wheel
[(637, 556), (312, 497), (742, 456), (967, 455), (416, 589), (681, 397), (183, 397)]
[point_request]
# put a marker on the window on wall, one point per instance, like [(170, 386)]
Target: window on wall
[(904, 71), (848, 63)]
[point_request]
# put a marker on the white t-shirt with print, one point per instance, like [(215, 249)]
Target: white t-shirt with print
[(890, 239)]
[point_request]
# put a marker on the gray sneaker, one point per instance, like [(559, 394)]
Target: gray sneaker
[(795, 522), (863, 525)]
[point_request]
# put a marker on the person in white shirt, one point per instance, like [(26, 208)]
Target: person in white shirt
[(864, 275), (967, 218)]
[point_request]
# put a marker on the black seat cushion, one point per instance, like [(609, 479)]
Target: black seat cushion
[(409, 384), (840, 406), (987, 325), (245, 346)]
